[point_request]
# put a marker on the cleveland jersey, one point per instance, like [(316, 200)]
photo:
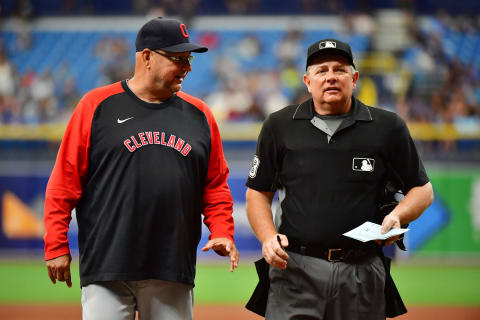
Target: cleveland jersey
[(140, 176)]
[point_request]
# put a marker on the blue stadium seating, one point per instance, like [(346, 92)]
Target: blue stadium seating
[(53, 50)]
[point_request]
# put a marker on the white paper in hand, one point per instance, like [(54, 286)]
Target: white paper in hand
[(372, 231)]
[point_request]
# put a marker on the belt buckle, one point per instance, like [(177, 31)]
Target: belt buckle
[(330, 255)]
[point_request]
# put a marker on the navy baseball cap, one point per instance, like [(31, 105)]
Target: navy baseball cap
[(166, 34), (332, 47)]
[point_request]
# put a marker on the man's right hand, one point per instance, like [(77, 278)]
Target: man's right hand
[(273, 252), (59, 269)]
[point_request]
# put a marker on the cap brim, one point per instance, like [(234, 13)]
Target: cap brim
[(185, 47), (330, 51)]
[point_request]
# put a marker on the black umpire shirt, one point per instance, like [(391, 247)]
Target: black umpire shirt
[(328, 187)]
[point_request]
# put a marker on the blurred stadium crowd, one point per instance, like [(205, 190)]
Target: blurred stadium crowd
[(423, 65)]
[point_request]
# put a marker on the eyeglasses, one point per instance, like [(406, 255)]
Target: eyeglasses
[(188, 59)]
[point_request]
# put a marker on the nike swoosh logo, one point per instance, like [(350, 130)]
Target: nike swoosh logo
[(122, 121)]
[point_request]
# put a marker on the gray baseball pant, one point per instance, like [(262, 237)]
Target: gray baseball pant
[(317, 289), (154, 300)]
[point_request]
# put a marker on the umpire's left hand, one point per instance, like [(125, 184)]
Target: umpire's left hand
[(224, 247), (390, 221), (59, 269)]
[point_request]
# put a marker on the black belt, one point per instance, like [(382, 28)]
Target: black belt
[(334, 254)]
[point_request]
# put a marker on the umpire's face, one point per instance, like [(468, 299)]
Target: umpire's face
[(331, 81)]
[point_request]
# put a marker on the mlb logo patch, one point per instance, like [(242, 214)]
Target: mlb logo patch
[(327, 44), (363, 164)]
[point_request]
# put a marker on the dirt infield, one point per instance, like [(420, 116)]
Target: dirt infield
[(221, 312)]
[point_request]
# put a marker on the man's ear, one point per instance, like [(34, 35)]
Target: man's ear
[(146, 56), (355, 79), (306, 80)]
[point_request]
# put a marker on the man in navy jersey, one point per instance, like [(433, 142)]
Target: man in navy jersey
[(330, 158), (141, 162)]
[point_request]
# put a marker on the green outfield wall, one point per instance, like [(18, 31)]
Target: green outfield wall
[(452, 224)]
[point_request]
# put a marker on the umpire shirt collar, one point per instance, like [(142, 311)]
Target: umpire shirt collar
[(305, 111)]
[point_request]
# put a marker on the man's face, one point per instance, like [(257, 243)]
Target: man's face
[(330, 80), (167, 73)]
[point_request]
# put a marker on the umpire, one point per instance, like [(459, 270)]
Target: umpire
[(330, 158)]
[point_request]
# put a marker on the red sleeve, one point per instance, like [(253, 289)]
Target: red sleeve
[(64, 187), (217, 199)]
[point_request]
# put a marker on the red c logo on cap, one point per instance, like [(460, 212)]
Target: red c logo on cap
[(183, 28)]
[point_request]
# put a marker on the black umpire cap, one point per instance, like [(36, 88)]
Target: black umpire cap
[(166, 34), (330, 46)]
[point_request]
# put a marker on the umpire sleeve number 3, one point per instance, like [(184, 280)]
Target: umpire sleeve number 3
[(255, 164)]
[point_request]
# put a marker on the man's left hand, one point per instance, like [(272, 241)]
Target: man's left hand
[(389, 222), (224, 247)]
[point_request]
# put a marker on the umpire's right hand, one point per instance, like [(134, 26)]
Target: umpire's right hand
[(272, 250)]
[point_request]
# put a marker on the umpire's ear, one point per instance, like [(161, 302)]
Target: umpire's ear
[(355, 78), (306, 80)]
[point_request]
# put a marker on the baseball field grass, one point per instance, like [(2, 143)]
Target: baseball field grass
[(27, 282)]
